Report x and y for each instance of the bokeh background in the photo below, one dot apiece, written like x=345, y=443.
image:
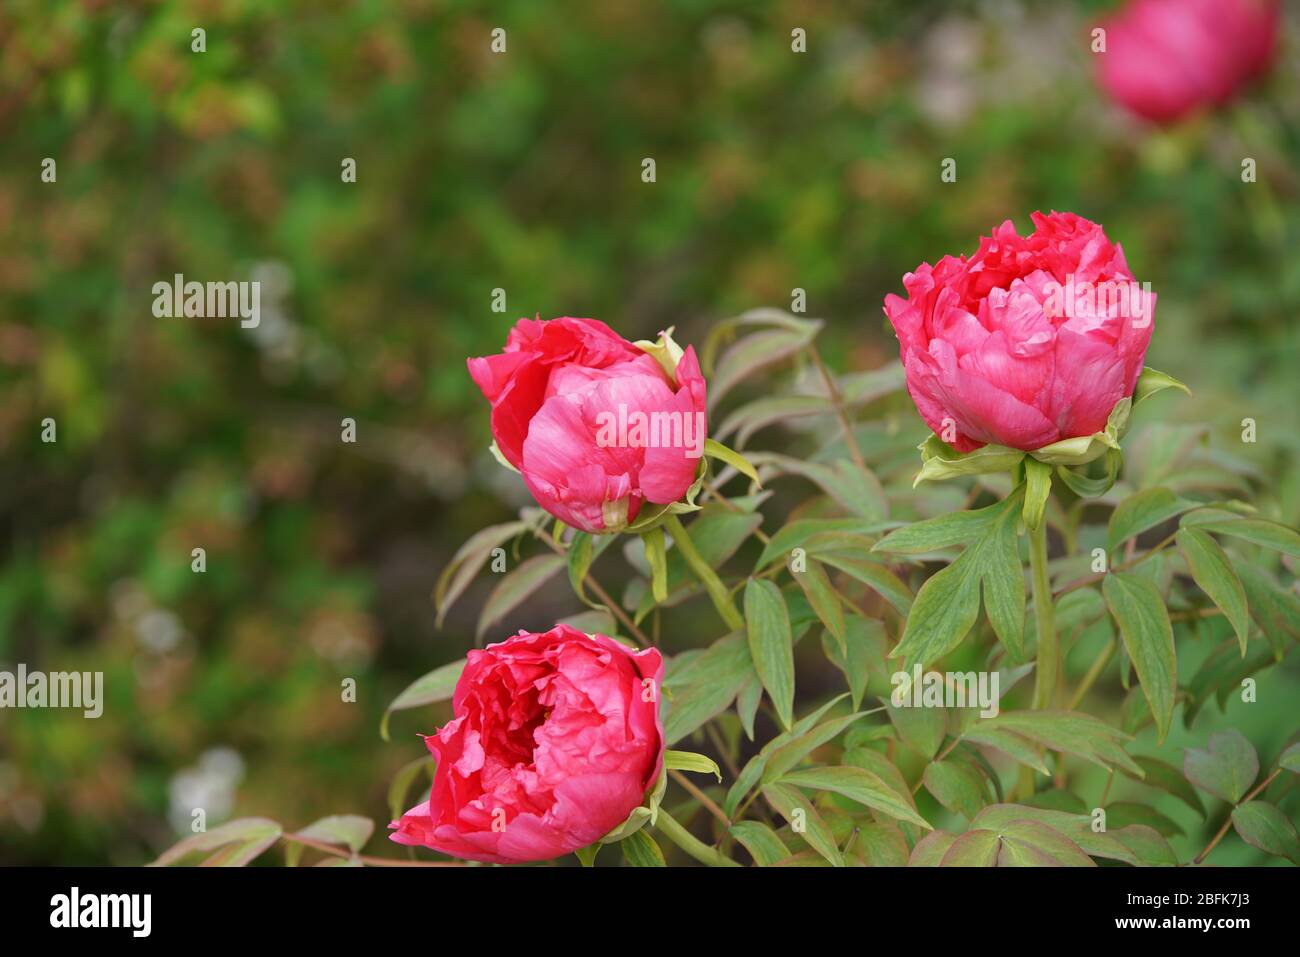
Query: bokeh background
x=478, y=171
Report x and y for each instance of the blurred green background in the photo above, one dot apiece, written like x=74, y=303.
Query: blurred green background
x=478, y=171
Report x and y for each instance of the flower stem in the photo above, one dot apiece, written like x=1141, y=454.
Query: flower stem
x=1094, y=671
x=604, y=598
x=1049, y=651
x=705, y=801
x=1228, y=823
x=707, y=576
x=689, y=843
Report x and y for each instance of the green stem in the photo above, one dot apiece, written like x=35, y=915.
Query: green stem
x=1099, y=663
x=689, y=843
x=707, y=576
x=1049, y=651
x=837, y=400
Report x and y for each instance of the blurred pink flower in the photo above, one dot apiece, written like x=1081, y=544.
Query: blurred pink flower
x=1032, y=340
x=596, y=424
x=556, y=739
x=1166, y=58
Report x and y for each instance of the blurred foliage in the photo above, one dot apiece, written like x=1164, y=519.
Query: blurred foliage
x=478, y=171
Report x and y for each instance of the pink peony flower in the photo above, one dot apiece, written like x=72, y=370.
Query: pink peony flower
x=597, y=425
x=556, y=740
x=1032, y=340
x=1166, y=58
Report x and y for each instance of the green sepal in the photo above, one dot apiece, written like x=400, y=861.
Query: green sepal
x=1038, y=485
x=642, y=815
x=664, y=351
x=1152, y=381
x=715, y=449
x=941, y=461
x=657, y=555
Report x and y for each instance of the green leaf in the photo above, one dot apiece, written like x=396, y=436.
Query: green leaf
x=755, y=352
x=705, y=573
x=467, y=561
x=515, y=587
x=717, y=450
x=1038, y=485
x=880, y=844
x=824, y=600
x=876, y=577
x=791, y=803
x=1144, y=510
x=587, y=855
x=1259, y=531
x=1276, y=610
x=763, y=844
x=769, y=410
x=856, y=491
x=1135, y=844
x=977, y=848
x=1069, y=732
x=656, y=554
x=1152, y=381
x=945, y=610
x=947, y=605
x=930, y=850
x=803, y=532
x=1226, y=768
x=702, y=684
x=1003, y=579
x=1290, y=759
x=864, y=639
x=748, y=699
x=753, y=770
x=1035, y=844
x=935, y=534
x=640, y=850
x=941, y=461
x=690, y=761
x=1169, y=779
x=438, y=685
x=1212, y=571
x=400, y=786
x=959, y=787
x=1265, y=827
x=858, y=784
x=771, y=644
x=1085, y=486
x=236, y=842
x=350, y=830
x=789, y=753
x=1148, y=637
x=593, y=621
x=921, y=729
x=579, y=558
x=717, y=532
x=1013, y=745
x=1124, y=813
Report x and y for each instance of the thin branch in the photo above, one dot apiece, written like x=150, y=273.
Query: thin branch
x=705, y=801
x=1228, y=823
x=837, y=400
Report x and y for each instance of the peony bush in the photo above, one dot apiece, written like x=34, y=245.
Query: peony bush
x=971, y=656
